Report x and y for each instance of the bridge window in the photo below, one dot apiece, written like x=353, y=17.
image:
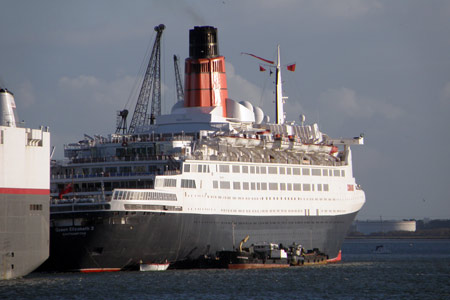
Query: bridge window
x=224, y=168
x=188, y=183
x=225, y=185
x=272, y=170
x=315, y=172
x=236, y=185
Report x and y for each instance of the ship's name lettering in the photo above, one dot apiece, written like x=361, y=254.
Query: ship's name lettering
x=75, y=229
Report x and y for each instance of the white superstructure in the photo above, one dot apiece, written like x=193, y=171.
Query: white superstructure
x=24, y=193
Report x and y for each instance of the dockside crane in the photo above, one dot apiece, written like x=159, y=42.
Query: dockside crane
x=179, y=85
x=122, y=122
x=151, y=87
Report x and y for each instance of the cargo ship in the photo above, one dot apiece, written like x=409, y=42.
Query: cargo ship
x=190, y=183
x=24, y=192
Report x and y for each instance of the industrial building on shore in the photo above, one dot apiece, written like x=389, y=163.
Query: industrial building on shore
x=383, y=226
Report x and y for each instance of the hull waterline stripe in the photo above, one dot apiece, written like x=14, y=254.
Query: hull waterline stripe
x=20, y=191
x=98, y=270
x=257, y=266
x=336, y=259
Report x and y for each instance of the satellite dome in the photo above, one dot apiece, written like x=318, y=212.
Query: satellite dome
x=259, y=114
x=247, y=105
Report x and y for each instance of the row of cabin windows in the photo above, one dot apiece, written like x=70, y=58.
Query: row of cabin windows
x=132, y=195
x=188, y=183
x=112, y=170
x=172, y=182
x=35, y=206
x=107, y=186
x=264, y=170
x=271, y=186
x=196, y=168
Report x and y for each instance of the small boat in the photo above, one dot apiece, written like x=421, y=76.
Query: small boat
x=380, y=249
x=154, y=267
x=300, y=257
x=260, y=256
x=250, y=260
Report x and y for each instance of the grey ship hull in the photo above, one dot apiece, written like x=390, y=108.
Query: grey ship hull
x=105, y=240
x=24, y=233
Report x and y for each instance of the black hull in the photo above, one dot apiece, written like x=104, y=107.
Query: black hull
x=106, y=240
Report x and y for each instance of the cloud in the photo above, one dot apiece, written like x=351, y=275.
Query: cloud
x=24, y=96
x=342, y=9
x=445, y=94
x=346, y=8
x=89, y=88
x=240, y=89
x=346, y=102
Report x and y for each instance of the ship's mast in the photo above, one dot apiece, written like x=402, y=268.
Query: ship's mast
x=279, y=99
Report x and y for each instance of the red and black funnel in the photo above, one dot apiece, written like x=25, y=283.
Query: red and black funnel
x=205, y=77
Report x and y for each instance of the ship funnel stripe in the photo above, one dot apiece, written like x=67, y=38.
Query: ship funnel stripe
x=20, y=191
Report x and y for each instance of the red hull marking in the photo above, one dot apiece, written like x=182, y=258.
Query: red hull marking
x=19, y=191
x=99, y=270
x=336, y=259
x=256, y=266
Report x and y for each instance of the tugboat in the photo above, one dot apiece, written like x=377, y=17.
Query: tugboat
x=260, y=256
x=268, y=256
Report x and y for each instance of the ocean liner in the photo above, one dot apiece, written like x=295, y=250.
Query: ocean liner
x=190, y=183
x=24, y=193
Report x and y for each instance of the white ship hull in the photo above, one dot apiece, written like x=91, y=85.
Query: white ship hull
x=24, y=199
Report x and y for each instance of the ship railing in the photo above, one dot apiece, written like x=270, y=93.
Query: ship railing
x=172, y=172
x=119, y=139
x=123, y=174
x=81, y=200
x=117, y=158
x=276, y=160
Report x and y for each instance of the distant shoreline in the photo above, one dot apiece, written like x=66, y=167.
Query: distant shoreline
x=405, y=237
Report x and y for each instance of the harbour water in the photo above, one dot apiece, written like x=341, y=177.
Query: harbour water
x=413, y=269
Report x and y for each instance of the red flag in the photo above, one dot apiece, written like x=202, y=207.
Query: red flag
x=264, y=60
x=291, y=68
x=66, y=190
x=261, y=69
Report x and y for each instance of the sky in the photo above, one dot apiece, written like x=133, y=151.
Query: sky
x=381, y=68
